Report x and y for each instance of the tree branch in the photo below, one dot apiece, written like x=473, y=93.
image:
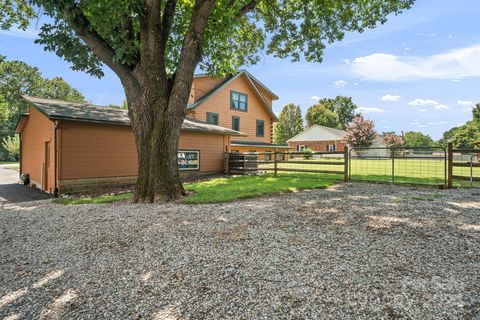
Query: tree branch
x=167, y=22
x=249, y=7
x=190, y=54
x=80, y=23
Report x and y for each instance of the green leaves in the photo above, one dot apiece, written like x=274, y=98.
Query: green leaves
x=15, y=14
x=17, y=79
x=334, y=113
x=289, y=125
x=238, y=33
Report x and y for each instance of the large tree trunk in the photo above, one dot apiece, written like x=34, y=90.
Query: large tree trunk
x=156, y=127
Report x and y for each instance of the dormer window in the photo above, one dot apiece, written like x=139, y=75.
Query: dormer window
x=238, y=101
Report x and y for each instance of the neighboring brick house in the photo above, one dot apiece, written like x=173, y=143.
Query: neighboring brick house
x=318, y=138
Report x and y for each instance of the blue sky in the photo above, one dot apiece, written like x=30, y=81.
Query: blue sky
x=419, y=71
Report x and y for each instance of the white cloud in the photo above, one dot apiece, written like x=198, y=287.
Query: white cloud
x=370, y=110
x=465, y=103
x=340, y=83
x=437, y=123
x=390, y=97
x=423, y=102
x=315, y=97
x=428, y=102
x=455, y=65
x=346, y=61
x=423, y=110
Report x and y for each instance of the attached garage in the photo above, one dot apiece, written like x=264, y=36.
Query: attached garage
x=68, y=147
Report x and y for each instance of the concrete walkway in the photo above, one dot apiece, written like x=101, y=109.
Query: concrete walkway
x=12, y=191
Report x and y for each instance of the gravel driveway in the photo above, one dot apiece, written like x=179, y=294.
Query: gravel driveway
x=353, y=251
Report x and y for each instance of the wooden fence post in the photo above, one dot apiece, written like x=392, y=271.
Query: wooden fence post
x=450, y=166
x=275, y=163
x=345, y=164
x=227, y=162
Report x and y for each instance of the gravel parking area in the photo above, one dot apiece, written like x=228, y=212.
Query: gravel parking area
x=353, y=251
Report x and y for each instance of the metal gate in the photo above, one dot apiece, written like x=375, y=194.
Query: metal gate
x=402, y=165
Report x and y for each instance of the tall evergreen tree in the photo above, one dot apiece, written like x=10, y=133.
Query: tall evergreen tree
x=290, y=123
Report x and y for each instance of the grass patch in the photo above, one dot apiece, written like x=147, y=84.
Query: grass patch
x=230, y=189
x=94, y=200
x=243, y=187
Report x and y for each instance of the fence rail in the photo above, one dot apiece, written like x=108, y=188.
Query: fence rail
x=315, y=162
x=406, y=165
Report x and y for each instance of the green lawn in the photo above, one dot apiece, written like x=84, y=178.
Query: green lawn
x=231, y=188
x=408, y=171
x=242, y=187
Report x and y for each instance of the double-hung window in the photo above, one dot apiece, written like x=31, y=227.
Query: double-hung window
x=238, y=101
x=331, y=148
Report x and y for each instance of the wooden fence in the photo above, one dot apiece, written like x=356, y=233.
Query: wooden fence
x=455, y=167
x=335, y=162
x=463, y=158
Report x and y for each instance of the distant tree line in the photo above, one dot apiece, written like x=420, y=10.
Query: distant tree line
x=17, y=79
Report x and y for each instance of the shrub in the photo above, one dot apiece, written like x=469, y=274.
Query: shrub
x=307, y=153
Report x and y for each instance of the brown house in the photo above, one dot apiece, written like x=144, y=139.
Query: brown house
x=68, y=147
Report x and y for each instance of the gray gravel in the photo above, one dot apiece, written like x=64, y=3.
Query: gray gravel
x=353, y=251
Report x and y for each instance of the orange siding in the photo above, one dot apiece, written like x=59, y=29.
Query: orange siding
x=203, y=85
x=90, y=150
x=212, y=149
x=220, y=103
x=99, y=150
x=36, y=132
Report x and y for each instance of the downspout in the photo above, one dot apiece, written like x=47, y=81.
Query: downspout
x=55, y=159
x=20, y=159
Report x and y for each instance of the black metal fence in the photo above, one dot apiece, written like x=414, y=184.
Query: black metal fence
x=408, y=165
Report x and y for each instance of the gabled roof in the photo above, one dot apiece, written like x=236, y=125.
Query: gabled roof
x=313, y=133
x=253, y=83
x=86, y=112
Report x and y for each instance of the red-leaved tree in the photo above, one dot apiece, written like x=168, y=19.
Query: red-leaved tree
x=360, y=133
x=392, y=140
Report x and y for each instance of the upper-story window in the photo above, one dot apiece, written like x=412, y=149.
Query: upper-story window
x=260, y=128
x=212, y=118
x=238, y=101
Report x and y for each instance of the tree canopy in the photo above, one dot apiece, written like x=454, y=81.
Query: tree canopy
x=360, y=133
x=17, y=79
x=392, y=140
x=290, y=123
x=335, y=113
x=465, y=135
x=237, y=32
x=418, y=139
